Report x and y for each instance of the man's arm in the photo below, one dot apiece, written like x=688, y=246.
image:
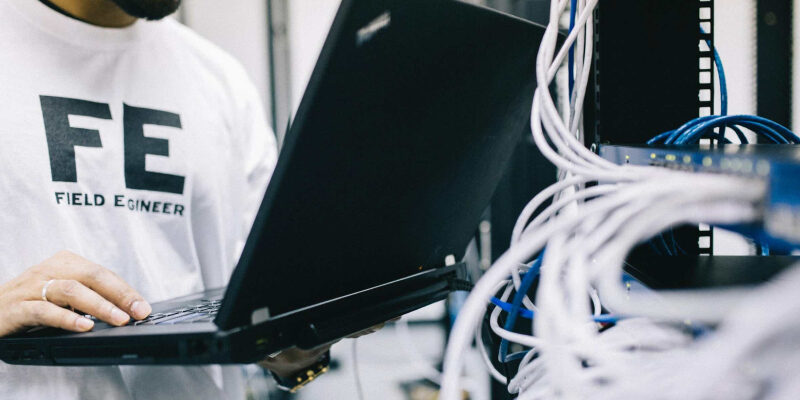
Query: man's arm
x=39, y=295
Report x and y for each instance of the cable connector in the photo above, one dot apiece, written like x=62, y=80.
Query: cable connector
x=460, y=285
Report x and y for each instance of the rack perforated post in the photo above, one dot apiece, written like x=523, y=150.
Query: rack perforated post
x=705, y=56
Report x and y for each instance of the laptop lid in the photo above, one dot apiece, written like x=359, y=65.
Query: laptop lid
x=405, y=128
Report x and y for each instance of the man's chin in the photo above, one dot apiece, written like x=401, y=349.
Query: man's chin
x=148, y=9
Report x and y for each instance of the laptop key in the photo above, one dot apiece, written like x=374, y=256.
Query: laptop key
x=167, y=318
x=203, y=311
x=181, y=319
x=154, y=317
x=201, y=317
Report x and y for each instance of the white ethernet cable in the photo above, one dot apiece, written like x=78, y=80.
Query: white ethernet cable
x=473, y=310
x=565, y=336
x=586, y=245
x=752, y=355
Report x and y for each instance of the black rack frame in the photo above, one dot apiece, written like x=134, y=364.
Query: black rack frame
x=651, y=54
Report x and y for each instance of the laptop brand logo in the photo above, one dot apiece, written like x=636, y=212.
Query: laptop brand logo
x=369, y=31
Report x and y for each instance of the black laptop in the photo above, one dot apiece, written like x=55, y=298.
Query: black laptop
x=405, y=129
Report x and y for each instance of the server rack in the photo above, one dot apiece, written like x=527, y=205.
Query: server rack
x=652, y=71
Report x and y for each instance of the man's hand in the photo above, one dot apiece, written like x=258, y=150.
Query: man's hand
x=372, y=329
x=289, y=361
x=76, y=283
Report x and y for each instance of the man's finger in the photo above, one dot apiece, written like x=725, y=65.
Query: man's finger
x=105, y=283
x=63, y=292
x=371, y=329
x=42, y=313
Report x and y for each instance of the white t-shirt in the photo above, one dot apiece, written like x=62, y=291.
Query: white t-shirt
x=143, y=149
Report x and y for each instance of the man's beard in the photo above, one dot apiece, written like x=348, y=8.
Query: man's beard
x=148, y=9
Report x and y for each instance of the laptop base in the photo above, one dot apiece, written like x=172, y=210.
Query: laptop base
x=204, y=343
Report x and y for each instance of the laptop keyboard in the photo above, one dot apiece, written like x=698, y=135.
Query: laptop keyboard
x=202, y=311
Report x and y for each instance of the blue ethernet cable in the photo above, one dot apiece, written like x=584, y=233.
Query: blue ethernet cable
x=571, y=61
x=517, y=356
x=675, y=136
x=529, y=314
x=762, y=126
x=723, y=89
x=723, y=84
x=675, y=245
x=668, y=135
x=703, y=126
x=666, y=246
x=653, y=247
x=516, y=307
x=739, y=134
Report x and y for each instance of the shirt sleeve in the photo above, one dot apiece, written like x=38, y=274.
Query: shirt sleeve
x=260, y=154
x=223, y=217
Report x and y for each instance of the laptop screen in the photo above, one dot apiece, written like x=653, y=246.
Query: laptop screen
x=405, y=129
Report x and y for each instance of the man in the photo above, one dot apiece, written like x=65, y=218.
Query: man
x=134, y=157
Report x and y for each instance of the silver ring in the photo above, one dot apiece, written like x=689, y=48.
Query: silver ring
x=44, y=289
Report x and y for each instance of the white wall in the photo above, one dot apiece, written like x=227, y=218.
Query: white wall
x=240, y=28
x=735, y=37
x=735, y=40
x=309, y=22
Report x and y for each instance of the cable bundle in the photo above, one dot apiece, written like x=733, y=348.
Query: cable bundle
x=715, y=126
x=704, y=127
x=576, y=247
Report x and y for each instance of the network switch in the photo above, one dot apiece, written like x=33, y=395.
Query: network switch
x=777, y=165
